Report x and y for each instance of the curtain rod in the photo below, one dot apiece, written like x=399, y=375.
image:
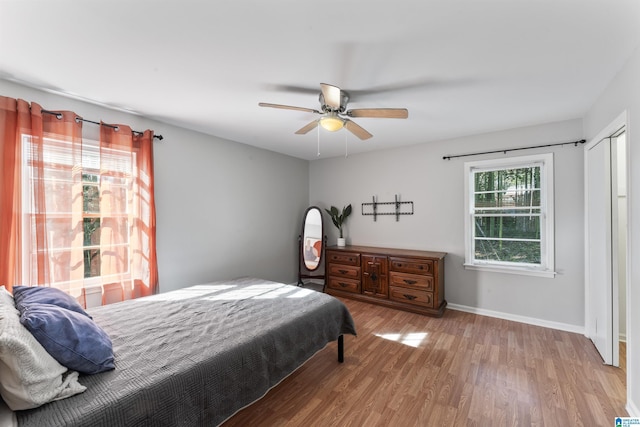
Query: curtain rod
x=575, y=144
x=59, y=116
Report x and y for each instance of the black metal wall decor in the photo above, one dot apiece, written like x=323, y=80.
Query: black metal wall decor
x=396, y=208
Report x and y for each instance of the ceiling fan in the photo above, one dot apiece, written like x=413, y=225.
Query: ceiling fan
x=334, y=113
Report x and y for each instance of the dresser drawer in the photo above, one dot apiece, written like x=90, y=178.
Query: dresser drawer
x=343, y=258
x=344, y=285
x=411, y=296
x=408, y=265
x=347, y=271
x=414, y=281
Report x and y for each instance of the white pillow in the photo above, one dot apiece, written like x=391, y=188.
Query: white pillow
x=29, y=376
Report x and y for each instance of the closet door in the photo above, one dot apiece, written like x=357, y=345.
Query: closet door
x=598, y=271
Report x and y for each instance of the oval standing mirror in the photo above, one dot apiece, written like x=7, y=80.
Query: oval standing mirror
x=312, y=233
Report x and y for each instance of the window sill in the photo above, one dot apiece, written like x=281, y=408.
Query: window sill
x=511, y=270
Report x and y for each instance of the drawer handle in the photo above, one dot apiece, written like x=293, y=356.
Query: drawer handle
x=409, y=297
x=344, y=285
x=410, y=282
x=343, y=271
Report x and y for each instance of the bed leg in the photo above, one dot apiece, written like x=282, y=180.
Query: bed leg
x=341, y=348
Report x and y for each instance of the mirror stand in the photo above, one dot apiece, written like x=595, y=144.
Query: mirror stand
x=302, y=266
x=311, y=244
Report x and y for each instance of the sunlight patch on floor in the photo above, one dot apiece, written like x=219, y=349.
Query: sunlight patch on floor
x=413, y=339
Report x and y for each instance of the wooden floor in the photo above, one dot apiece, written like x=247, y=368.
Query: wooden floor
x=406, y=369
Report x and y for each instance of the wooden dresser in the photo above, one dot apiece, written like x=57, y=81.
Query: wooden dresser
x=409, y=280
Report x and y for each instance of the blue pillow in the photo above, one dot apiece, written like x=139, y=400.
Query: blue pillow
x=73, y=339
x=24, y=296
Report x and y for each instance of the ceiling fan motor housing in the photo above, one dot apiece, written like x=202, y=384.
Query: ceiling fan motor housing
x=344, y=99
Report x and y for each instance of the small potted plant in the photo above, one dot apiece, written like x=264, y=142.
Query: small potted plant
x=338, y=219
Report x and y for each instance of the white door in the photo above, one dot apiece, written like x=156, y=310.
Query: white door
x=599, y=249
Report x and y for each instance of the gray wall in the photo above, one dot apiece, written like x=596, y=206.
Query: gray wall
x=224, y=209
x=623, y=94
x=436, y=186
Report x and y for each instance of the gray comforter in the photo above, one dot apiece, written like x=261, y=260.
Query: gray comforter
x=196, y=356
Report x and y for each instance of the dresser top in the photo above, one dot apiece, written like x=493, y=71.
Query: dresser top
x=388, y=251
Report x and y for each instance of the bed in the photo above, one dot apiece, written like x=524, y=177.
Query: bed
x=198, y=355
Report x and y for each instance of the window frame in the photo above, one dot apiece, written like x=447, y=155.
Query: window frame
x=546, y=268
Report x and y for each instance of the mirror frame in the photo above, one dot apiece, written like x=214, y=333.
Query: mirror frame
x=304, y=237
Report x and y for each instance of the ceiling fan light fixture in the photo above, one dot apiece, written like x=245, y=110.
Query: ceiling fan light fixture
x=332, y=123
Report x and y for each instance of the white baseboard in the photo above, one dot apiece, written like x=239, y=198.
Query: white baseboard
x=632, y=410
x=522, y=319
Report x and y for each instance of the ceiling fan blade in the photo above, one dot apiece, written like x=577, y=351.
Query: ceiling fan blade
x=356, y=129
x=288, y=107
x=332, y=95
x=307, y=128
x=292, y=89
x=388, y=113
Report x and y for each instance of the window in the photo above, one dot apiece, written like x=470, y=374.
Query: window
x=78, y=205
x=106, y=180
x=509, y=215
x=86, y=192
x=91, y=223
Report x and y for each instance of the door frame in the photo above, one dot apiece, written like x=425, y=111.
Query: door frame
x=618, y=123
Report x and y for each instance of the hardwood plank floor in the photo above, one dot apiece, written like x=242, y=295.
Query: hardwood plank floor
x=406, y=369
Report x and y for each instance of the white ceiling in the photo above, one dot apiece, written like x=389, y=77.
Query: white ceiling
x=460, y=67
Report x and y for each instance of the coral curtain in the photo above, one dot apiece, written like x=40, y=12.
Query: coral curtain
x=127, y=213
x=31, y=139
x=45, y=214
x=10, y=158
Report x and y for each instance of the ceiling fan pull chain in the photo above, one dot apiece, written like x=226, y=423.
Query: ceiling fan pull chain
x=318, y=127
x=346, y=146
